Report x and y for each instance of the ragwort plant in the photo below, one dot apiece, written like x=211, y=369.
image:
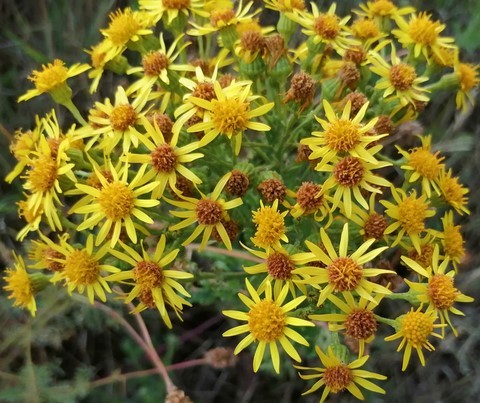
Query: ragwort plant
x=271, y=143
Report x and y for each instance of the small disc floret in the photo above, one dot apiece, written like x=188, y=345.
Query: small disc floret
x=266, y=321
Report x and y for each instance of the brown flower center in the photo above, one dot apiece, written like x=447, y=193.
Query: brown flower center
x=209, y=212
x=326, y=26
x=344, y=274
x=154, y=63
x=375, y=225
x=272, y=189
x=307, y=196
x=402, y=76
x=280, y=266
x=338, y=378
x=148, y=275
x=237, y=184
x=441, y=291
x=176, y=4
x=122, y=117
x=360, y=324
x=164, y=158
x=349, y=171
x=51, y=256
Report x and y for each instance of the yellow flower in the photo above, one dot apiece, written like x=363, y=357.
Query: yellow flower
x=342, y=135
x=423, y=34
x=409, y=213
x=268, y=324
x=452, y=240
x=202, y=87
x=165, y=159
x=22, y=146
x=223, y=17
x=467, y=73
x=280, y=267
x=116, y=123
x=156, y=65
x=82, y=270
x=453, y=192
x=425, y=165
x=382, y=9
x=173, y=9
x=32, y=216
x=154, y=285
x=47, y=167
x=125, y=27
x=270, y=226
x=311, y=199
x=117, y=203
x=351, y=175
x=44, y=253
x=372, y=224
x=209, y=212
x=367, y=31
x=439, y=292
x=398, y=80
x=427, y=246
x=20, y=286
x=229, y=114
x=414, y=328
x=324, y=28
x=53, y=79
x=344, y=272
x=97, y=54
x=357, y=318
x=337, y=376
x=284, y=6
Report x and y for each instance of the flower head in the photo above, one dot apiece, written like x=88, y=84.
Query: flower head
x=157, y=65
x=357, y=318
x=280, y=267
x=337, y=376
x=398, y=80
x=53, y=79
x=341, y=135
x=125, y=27
x=268, y=324
x=111, y=124
x=414, y=328
x=344, y=272
x=467, y=74
x=382, y=9
x=324, y=28
x=208, y=212
x=270, y=226
x=452, y=240
x=82, y=268
x=229, y=113
x=117, y=203
x=453, y=192
x=154, y=284
x=425, y=165
x=20, y=286
x=165, y=159
x=172, y=9
x=350, y=176
x=423, y=34
x=409, y=214
x=439, y=291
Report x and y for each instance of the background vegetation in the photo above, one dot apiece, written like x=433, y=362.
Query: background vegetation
x=67, y=351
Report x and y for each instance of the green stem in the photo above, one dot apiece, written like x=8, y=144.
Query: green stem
x=389, y=322
x=74, y=111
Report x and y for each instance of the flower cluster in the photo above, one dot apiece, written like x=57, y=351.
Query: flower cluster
x=273, y=143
